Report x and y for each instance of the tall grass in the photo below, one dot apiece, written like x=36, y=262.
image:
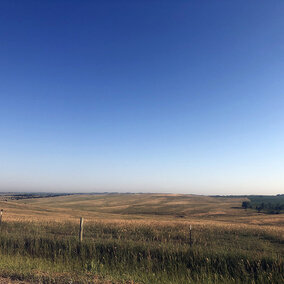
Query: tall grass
x=150, y=253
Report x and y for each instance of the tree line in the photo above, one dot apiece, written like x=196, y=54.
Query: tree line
x=266, y=207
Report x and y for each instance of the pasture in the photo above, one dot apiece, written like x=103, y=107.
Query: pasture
x=139, y=238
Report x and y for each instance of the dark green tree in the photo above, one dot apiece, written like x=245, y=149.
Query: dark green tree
x=245, y=204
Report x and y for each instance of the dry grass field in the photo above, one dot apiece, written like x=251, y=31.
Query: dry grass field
x=139, y=238
x=144, y=207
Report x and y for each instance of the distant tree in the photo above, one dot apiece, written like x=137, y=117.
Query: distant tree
x=246, y=204
x=260, y=207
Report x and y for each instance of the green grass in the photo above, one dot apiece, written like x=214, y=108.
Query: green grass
x=141, y=252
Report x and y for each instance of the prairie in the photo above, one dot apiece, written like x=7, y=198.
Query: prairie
x=139, y=238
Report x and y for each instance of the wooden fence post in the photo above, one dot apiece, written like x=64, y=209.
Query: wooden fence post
x=81, y=229
x=1, y=214
x=190, y=236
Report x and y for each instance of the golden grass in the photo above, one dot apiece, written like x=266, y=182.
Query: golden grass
x=140, y=208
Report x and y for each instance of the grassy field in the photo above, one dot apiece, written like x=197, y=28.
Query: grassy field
x=139, y=238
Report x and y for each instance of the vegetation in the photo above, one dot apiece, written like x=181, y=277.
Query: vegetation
x=141, y=249
x=267, y=204
x=148, y=253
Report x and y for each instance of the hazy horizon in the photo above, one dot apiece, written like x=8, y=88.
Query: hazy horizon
x=139, y=96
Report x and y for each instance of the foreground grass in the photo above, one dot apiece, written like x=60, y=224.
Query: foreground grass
x=141, y=252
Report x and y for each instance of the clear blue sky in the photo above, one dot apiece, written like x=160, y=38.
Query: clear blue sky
x=160, y=96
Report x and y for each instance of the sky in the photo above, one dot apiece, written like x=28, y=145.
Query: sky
x=142, y=96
